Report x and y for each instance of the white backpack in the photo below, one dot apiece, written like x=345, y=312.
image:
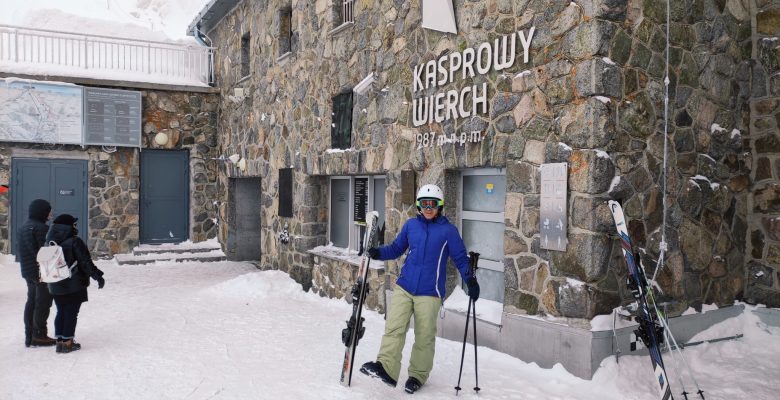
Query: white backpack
x=53, y=266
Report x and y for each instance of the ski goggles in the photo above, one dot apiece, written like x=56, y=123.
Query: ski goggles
x=429, y=203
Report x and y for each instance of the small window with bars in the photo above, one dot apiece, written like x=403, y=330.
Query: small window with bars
x=347, y=11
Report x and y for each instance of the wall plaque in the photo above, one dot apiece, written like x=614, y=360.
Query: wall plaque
x=553, y=218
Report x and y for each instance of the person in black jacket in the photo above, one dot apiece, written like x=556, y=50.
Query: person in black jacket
x=70, y=293
x=30, y=238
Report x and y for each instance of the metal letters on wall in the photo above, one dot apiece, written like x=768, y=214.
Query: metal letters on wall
x=553, y=217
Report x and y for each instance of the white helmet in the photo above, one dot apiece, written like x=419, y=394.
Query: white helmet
x=430, y=192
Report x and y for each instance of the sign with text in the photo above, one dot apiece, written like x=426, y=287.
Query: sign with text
x=361, y=199
x=553, y=218
x=113, y=117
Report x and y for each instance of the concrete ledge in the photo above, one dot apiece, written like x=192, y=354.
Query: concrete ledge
x=113, y=83
x=579, y=350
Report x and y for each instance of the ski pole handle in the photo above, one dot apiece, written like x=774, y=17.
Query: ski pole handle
x=473, y=260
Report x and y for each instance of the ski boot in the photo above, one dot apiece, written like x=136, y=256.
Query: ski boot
x=375, y=369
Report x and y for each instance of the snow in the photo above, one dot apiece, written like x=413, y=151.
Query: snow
x=226, y=330
x=158, y=20
x=523, y=73
x=487, y=310
x=716, y=128
x=603, y=99
x=735, y=133
x=615, y=182
x=608, y=60
x=564, y=146
x=602, y=154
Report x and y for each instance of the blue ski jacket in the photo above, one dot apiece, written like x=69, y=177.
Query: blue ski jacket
x=430, y=244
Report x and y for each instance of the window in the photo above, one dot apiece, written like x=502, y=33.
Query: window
x=347, y=11
x=245, y=53
x=285, y=31
x=482, y=200
x=350, y=199
x=341, y=127
x=285, y=192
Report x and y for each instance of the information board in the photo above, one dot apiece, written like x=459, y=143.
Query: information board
x=37, y=112
x=361, y=199
x=113, y=117
x=553, y=219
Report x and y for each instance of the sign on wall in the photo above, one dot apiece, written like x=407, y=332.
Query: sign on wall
x=37, y=112
x=113, y=117
x=361, y=200
x=553, y=219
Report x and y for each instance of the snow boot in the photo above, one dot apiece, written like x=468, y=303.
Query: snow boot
x=412, y=385
x=68, y=346
x=44, y=341
x=375, y=369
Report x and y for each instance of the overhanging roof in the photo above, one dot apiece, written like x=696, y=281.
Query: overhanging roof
x=211, y=14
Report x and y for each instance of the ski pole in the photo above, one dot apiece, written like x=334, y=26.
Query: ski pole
x=474, y=260
x=463, y=350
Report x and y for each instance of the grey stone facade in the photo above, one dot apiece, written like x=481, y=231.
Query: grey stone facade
x=189, y=120
x=592, y=95
x=763, y=268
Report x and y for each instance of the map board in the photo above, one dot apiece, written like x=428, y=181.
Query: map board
x=113, y=117
x=38, y=112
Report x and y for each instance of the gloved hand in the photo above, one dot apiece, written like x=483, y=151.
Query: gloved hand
x=473, y=288
x=101, y=282
x=373, y=253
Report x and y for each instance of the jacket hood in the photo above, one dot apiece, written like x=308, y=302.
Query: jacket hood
x=39, y=210
x=59, y=233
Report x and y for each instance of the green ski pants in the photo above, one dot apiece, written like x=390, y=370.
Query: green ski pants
x=425, y=310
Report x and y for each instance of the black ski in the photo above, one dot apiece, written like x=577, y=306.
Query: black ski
x=650, y=329
x=354, y=330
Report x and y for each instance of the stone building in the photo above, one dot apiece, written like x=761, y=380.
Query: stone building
x=112, y=224
x=339, y=106
x=120, y=133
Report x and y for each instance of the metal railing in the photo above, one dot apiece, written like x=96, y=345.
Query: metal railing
x=347, y=11
x=67, y=52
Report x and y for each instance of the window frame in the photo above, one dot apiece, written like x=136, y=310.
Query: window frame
x=335, y=122
x=493, y=217
x=246, y=56
x=285, y=35
x=354, y=233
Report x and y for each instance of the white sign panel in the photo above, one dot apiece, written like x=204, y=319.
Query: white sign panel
x=40, y=112
x=439, y=16
x=553, y=218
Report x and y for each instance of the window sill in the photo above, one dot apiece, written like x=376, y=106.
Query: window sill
x=283, y=58
x=344, y=255
x=341, y=28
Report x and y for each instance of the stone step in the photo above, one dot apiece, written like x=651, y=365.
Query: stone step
x=186, y=247
x=131, y=259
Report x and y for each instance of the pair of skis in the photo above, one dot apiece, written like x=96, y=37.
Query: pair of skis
x=352, y=334
x=652, y=324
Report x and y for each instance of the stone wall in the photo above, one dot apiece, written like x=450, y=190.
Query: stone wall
x=763, y=269
x=591, y=95
x=113, y=201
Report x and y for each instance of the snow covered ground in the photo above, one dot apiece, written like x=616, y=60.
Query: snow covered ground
x=225, y=330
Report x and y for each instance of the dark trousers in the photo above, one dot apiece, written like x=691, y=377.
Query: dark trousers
x=36, y=309
x=67, y=316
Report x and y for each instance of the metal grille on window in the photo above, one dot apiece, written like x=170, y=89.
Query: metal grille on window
x=347, y=11
x=285, y=31
x=245, y=53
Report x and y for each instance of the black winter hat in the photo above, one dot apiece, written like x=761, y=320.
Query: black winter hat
x=65, y=219
x=39, y=209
